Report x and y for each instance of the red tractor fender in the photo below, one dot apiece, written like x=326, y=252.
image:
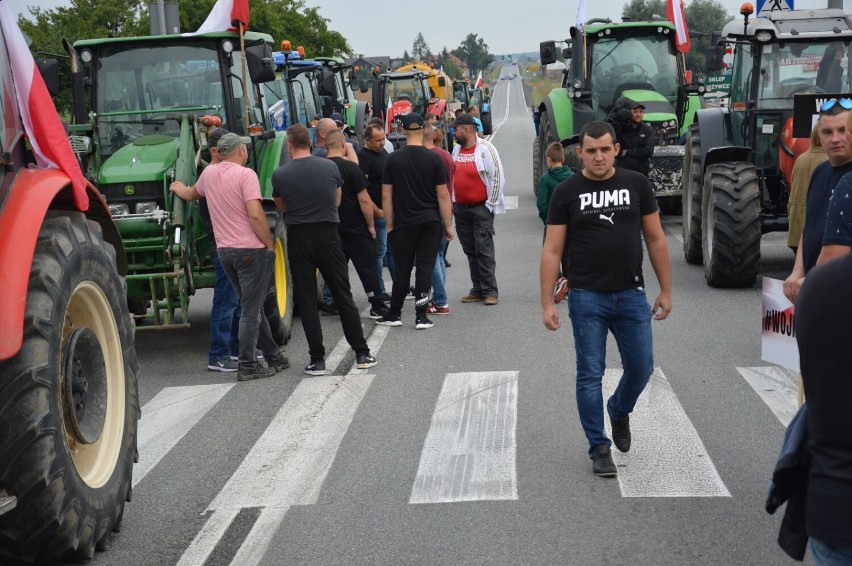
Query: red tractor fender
x=438, y=107
x=789, y=150
x=30, y=197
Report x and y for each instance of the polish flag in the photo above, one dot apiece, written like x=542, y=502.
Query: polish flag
x=581, y=14
x=44, y=130
x=675, y=14
x=478, y=83
x=225, y=16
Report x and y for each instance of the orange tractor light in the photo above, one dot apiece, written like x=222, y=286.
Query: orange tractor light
x=747, y=9
x=301, y=50
x=286, y=45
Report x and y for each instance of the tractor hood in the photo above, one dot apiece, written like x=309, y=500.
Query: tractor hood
x=146, y=159
x=657, y=107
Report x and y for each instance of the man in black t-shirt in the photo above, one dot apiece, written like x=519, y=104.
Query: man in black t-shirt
x=600, y=216
x=308, y=190
x=415, y=200
x=357, y=230
x=371, y=159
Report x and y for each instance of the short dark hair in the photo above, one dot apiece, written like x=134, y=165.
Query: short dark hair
x=555, y=152
x=371, y=129
x=334, y=138
x=377, y=121
x=596, y=129
x=299, y=136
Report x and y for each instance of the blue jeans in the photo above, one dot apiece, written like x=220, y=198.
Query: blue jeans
x=829, y=554
x=439, y=275
x=627, y=315
x=383, y=251
x=224, y=317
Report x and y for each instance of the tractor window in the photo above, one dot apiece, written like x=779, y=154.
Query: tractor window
x=634, y=62
x=10, y=121
x=304, y=90
x=812, y=67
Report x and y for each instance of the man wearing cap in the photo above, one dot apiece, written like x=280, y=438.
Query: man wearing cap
x=308, y=189
x=636, y=139
x=415, y=201
x=478, y=195
x=245, y=247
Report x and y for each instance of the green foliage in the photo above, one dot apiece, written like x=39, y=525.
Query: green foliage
x=644, y=10
x=420, y=48
x=474, y=51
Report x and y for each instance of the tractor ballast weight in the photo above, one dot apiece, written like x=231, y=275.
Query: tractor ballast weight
x=737, y=160
x=604, y=62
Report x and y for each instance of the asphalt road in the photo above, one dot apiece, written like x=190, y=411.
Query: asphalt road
x=463, y=445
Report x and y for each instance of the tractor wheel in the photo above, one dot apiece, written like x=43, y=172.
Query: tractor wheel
x=691, y=197
x=731, y=226
x=546, y=137
x=278, y=306
x=360, y=121
x=69, y=403
x=536, y=165
x=486, y=123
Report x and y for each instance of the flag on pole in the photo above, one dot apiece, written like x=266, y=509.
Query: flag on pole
x=581, y=14
x=41, y=122
x=226, y=15
x=675, y=14
x=478, y=83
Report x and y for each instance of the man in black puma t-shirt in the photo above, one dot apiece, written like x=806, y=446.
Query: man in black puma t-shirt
x=600, y=216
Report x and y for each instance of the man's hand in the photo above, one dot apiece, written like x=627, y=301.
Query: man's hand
x=792, y=286
x=372, y=231
x=662, y=306
x=449, y=233
x=550, y=317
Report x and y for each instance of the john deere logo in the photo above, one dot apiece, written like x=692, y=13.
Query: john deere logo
x=129, y=190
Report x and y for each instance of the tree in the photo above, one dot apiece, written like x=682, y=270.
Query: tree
x=644, y=10
x=405, y=56
x=474, y=51
x=704, y=17
x=420, y=47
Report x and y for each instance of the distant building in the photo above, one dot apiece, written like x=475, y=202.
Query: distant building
x=382, y=62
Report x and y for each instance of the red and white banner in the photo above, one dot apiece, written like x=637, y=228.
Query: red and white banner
x=581, y=14
x=478, y=83
x=225, y=16
x=675, y=14
x=44, y=130
x=778, y=326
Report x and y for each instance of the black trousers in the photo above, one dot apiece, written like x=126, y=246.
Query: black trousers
x=312, y=247
x=361, y=250
x=414, y=247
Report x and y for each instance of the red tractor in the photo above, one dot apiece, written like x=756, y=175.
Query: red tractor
x=68, y=393
x=399, y=93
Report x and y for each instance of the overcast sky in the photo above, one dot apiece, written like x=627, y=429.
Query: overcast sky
x=378, y=27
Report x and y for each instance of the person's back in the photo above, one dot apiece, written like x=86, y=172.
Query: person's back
x=413, y=170
x=314, y=198
x=823, y=308
x=557, y=172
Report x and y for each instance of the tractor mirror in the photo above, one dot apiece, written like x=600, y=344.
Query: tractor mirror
x=364, y=85
x=260, y=66
x=713, y=58
x=442, y=81
x=49, y=69
x=567, y=52
x=547, y=52
x=353, y=76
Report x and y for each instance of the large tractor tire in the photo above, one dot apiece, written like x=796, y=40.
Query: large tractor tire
x=486, y=123
x=536, y=165
x=360, y=121
x=69, y=403
x=278, y=306
x=691, y=199
x=731, y=227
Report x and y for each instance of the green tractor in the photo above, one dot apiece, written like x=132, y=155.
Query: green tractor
x=468, y=96
x=142, y=109
x=604, y=62
x=339, y=96
x=738, y=159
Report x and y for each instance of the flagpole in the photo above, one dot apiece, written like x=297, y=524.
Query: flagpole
x=245, y=75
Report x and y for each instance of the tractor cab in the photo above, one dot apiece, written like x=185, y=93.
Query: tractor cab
x=398, y=94
x=296, y=90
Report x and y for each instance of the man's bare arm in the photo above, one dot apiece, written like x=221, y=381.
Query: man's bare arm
x=445, y=205
x=551, y=257
x=387, y=204
x=658, y=253
x=832, y=251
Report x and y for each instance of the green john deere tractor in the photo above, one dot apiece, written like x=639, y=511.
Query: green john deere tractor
x=339, y=96
x=604, y=62
x=142, y=109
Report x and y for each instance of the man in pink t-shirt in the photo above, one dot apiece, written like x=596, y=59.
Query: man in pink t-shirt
x=245, y=247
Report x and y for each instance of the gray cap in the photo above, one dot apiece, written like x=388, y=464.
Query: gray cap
x=229, y=142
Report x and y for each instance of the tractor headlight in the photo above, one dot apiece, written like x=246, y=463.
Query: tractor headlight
x=227, y=46
x=146, y=207
x=763, y=36
x=578, y=84
x=86, y=56
x=119, y=209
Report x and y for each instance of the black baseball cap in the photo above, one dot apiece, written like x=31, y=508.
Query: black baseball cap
x=464, y=120
x=215, y=136
x=635, y=104
x=412, y=121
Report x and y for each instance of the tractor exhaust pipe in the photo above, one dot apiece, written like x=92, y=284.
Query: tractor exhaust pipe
x=78, y=107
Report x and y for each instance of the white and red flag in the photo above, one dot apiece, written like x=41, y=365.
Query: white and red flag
x=675, y=14
x=581, y=14
x=44, y=130
x=478, y=83
x=226, y=15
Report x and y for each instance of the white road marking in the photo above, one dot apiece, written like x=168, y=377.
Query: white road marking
x=257, y=542
x=168, y=417
x=207, y=538
x=469, y=452
x=667, y=458
x=374, y=341
x=511, y=202
x=778, y=387
x=505, y=117
x=288, y=463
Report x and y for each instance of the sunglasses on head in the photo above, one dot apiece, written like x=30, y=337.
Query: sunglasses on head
x=844, y=103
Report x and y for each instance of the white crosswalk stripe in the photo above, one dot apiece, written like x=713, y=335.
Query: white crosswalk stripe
x=778, y=387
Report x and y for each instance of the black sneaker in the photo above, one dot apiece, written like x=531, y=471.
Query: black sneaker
x=364, y=361
x=620, y=431
x=410, y=294
x=278, y=362
x=390, y=320
x=423, y=322
x=315, y=368
x=385, y=297
x=258, y=372
x=602, y=464
x=378, y=310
